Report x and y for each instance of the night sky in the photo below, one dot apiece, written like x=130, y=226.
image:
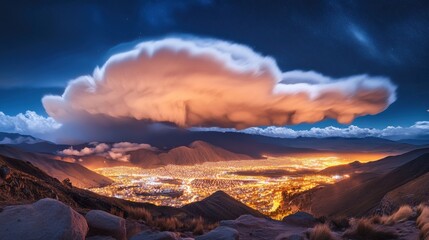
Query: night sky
x=46, y=44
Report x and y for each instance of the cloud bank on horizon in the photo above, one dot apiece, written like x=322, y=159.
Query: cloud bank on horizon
x=419, y=129
x=212, y=83
x=47, y=128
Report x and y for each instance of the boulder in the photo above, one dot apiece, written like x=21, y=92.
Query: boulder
x=44, y=219
x=149, y=235
x=289, y=237
x=100, y=238
x=301, y=219
x=106, y=224
x=133, y=227
x=262, y=228
x=220, y=233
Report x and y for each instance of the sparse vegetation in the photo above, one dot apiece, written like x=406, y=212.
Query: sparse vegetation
x=423, y=221
x=168, y=223
x=364, y=229
x=423, y=217
x=195, y=225
x=139, y=213
x=321, y=232
x=402, y=214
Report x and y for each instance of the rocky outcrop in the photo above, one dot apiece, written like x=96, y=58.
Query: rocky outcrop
x=45, y=219
x=262, y=228
x=103, y=223
x=302, y=219
x=5, y=172
x=100, y=238
x=220, y=233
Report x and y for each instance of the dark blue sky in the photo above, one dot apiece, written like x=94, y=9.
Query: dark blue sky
x=44, y=45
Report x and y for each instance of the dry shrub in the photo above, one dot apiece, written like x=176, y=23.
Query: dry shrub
x=404, y=213
x=424, y=231
x=197, y=225
x=168, y=224
x=339, y=223
x=423, y=221
x=139, y=213
x=420, y=207
x=376, y=219
x=321, y=232
x=423, y=217
x=363, y=229
x=116, y=211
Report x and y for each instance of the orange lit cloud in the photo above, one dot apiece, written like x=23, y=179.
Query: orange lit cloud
x=201, y=82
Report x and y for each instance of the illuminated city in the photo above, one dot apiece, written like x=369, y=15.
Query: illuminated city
x=258, y=183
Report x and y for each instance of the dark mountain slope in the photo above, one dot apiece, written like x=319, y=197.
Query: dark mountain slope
x=380, y=166
x=412, y=193
x=349, y=199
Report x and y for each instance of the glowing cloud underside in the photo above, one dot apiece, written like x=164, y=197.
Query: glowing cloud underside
x=200, y=82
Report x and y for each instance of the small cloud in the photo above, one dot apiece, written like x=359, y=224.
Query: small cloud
x=118, y=151
x=28, y=123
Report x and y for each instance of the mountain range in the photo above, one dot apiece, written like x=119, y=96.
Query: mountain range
x=377, y=187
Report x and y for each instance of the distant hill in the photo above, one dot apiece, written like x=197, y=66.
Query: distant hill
x=255, y=146
x=196, y=153
x=15, y=138
x=79, y=175
x=220, y=206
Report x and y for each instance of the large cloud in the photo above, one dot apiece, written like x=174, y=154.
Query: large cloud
x=202, y=82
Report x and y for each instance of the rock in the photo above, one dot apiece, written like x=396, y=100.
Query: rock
x=149, y=235
x=106, y=224
x=67, y=182
x=133, y=227
x=220, y=233
x=289, y=237
x=262, y=228
x=45, y=219
x=5, y=172
x=100, y=238
x=302, y=219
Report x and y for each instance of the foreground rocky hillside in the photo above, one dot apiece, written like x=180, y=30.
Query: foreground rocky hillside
x=52, y=219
